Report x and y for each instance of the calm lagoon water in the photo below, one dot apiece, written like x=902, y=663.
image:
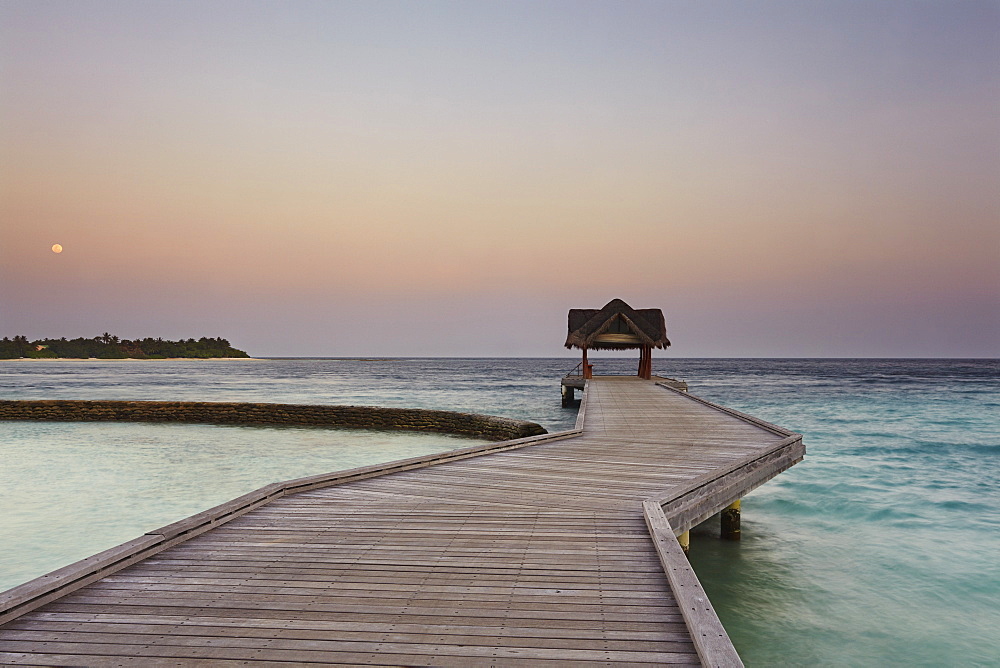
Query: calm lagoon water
x=880, y=549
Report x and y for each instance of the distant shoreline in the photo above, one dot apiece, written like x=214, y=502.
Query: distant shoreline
x=128, y=359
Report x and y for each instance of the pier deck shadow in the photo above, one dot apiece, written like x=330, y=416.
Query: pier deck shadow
x=541, y=551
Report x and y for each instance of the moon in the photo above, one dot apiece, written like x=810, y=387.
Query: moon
x=56, y=248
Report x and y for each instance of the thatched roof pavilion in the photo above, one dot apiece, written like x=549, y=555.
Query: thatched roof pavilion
x=618, y=326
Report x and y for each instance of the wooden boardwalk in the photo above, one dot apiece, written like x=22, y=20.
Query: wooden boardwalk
x=538, y=552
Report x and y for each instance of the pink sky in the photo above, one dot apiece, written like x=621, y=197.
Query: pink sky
x=449, y=179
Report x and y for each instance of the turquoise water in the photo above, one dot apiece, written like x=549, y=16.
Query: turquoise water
x=880, y=549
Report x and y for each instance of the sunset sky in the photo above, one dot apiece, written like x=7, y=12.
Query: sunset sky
x=783, y=179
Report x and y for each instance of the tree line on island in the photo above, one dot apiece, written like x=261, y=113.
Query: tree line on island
x=109, y=346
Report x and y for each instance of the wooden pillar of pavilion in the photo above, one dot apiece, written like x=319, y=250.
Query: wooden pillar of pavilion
x=587, y=371
x=645, y=362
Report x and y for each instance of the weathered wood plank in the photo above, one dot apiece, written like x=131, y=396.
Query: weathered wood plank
x=139, y=632
x=268, y=658
x=676, y=632
x=313, y=650
x=492, y=617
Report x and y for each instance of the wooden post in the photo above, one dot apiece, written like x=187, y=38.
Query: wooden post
x=646, y=362
x=567, y=396
x=587, y=371
x=731, y=521
x=685, y=540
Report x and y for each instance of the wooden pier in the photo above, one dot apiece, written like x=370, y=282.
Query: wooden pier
x=574, y=381
x=540, y=551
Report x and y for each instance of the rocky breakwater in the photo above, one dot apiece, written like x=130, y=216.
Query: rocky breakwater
x=354, y=417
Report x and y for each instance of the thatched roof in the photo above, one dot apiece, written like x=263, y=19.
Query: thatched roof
x=617, y=326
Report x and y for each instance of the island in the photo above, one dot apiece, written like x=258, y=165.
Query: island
x=109, y=346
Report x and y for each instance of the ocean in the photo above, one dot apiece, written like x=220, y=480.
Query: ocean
x=880, y=549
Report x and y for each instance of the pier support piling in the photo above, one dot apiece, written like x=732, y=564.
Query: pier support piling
x=685, y=540
x=567, y=396
x=731, y=521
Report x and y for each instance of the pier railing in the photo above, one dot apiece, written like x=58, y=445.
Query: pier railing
x=709, y=636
